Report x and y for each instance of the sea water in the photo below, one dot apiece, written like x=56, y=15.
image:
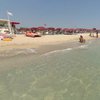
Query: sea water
x=66, y=74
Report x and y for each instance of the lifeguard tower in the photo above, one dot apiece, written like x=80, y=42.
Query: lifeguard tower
x=7, y=26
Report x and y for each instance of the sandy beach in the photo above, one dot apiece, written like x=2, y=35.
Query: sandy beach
x=23, y=42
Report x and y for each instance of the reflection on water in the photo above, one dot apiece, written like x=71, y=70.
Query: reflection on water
x=65, y=75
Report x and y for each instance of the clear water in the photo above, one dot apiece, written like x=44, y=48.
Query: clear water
x=69, y=74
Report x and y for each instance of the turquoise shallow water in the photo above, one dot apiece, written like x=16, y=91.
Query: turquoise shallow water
x=68, y=74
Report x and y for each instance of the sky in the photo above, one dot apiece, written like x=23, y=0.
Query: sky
x=53, y=13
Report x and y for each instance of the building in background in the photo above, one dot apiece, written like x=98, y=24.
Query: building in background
x=8, y=27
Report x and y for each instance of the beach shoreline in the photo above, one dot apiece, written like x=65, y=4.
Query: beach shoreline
x=23, y=50
x=20, y=54
x=42, y=44
x=21, y=41
x=22, y=45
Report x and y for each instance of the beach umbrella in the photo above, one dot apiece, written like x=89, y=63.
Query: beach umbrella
x=14, y=22
x=41, y=28
x=66, y=29
x=94, y=29
x=71, y=29
x=51, y=28
x=58, y=29
x=33, y=28
x=78, y=29
x=88, y=30
x=26, y=29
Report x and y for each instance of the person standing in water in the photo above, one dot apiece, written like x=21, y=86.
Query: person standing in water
x=81, y=39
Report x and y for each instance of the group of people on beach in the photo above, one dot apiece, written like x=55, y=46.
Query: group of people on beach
x=92, y=34
x=82, y=40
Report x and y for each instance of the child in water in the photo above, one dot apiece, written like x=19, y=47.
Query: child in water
x=81, y=39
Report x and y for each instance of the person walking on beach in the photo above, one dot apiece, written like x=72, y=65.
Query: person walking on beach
x=96, y=34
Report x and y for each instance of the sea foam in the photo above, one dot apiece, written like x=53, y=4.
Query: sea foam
x=57, y=51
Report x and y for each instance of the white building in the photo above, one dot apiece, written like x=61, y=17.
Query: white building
x=7, y=26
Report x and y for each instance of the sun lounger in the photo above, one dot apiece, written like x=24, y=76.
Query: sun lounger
x=31, y=34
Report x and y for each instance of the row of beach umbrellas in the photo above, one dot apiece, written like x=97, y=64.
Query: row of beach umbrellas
x=58, y=29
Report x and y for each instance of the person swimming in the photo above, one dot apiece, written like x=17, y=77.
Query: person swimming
x=81, y=39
